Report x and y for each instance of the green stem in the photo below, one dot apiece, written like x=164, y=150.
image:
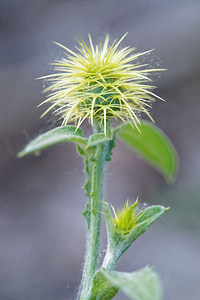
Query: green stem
x=92, y=255
x=111, y=259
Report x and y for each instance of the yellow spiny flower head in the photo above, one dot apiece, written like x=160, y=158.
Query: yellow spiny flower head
x=126, y=218
x=99, y=83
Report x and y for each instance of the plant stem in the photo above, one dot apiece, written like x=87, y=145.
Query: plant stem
x=92, y=254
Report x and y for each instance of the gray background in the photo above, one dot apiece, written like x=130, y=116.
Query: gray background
x=42, y=232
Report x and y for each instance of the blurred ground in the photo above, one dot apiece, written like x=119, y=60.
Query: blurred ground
x=42, y=232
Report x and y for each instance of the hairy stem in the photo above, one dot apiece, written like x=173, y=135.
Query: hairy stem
x=92, y=254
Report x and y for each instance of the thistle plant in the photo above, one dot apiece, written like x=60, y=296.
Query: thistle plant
x=106, y=85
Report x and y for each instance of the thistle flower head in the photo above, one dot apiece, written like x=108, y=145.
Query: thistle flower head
x=126, y=218
x=99, y=83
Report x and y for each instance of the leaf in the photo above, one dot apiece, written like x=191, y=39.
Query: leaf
x=147, y=218
x=118, y=242
x=102, y=288
x=140, y=285
x=52, y=137
x=153, y=146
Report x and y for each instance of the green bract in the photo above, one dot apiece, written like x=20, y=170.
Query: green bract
x=126, y=218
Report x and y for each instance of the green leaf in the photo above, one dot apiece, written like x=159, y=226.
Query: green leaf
x=118, y=242
x=52, y=137
x=102, y=288
x=153, y=146
x=140, y=285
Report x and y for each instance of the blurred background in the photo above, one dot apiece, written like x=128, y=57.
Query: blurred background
x=42, y=231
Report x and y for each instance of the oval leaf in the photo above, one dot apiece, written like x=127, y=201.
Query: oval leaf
x=52, y=137
x=140, y=285
x=153, y=146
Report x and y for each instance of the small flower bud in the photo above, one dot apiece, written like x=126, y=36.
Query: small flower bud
x=126, y=218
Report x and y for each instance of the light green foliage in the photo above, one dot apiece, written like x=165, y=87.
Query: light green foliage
x=140, y=285
x=102, y=287
x=145, y=282
x=153, y=146
x=119, y=241
x=123, y=226
x=52, y=137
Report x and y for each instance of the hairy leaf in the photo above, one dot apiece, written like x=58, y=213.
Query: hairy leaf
x=140, y=285
x=118, y=242
x=102, y=288
x=52, y=137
